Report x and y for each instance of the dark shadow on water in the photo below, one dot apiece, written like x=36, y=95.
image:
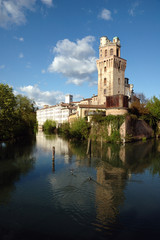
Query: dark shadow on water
x=15, y=160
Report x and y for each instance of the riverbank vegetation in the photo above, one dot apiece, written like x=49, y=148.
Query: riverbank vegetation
x=149, y=111
x=79, y=129
x=17, y=115
x=108, y=128
x=49, y=126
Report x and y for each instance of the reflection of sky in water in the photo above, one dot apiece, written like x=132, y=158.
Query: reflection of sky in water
x=114, y=194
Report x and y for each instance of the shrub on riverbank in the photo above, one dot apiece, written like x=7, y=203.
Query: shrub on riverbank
x=79, y=129
x=49, y=126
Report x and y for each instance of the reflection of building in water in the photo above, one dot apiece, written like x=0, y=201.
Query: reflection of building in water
x=121, y=153
x=158, y=148
x=109, y=192
x=47, y=143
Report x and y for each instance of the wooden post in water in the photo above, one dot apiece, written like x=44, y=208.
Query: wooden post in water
x=89, y=146
x=53, y=158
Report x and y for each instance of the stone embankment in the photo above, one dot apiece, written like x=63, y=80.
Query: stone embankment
x=121, y=130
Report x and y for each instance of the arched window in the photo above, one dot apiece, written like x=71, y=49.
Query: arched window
x=105, y=69
x=106, y=53
x=111, y=51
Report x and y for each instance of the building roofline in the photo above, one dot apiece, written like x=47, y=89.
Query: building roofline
x=92, y=106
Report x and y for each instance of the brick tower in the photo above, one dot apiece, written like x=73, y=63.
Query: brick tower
x=111, y=69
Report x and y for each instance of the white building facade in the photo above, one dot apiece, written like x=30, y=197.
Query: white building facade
x=58, y=113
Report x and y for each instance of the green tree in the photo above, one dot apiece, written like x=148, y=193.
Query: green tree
x=80, y=129
x=7, y=112
x=49, y=126
x=17, y=114
x=25, y=112
x=153, y=106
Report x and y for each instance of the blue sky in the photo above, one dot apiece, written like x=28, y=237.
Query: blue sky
x=48, y=48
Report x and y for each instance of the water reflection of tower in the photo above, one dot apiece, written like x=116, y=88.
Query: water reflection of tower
x=109, y=191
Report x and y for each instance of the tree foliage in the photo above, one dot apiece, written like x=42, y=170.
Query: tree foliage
x=17, y=114
x=49, y=126
x=80, y=129
x=153, y=106
x=147, y=110
x=138, y=108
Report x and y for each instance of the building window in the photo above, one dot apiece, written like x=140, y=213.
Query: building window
x=111, y=51
x=119, y=65
x=105, y=69
x=117, y=52
x=119, y=81
x=106, y=53
x=104, y=91
x=104, y=81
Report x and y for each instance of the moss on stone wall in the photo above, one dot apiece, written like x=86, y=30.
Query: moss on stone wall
x=106, y=128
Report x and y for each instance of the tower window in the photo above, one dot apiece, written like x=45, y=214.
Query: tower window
x=106, y=53
x=111, y=51
x=105, y=69
x=119, y=81
x=117, y=52
x=104, y=91
x=104, y=81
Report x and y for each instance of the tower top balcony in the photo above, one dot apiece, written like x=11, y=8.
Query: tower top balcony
x=104, y=41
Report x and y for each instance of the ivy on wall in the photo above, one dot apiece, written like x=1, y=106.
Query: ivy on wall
x=106, y=128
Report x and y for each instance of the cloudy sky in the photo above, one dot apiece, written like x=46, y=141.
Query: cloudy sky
x=48, y=48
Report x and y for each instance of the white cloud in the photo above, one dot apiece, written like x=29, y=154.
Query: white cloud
x=133, y=9
x=47, y=2
x=2, y=66
x=106, y=14
x=42, y=98
x=21, y=39
x=43, y=71
x=21, y=55
x=14, y=11
x=76, y=61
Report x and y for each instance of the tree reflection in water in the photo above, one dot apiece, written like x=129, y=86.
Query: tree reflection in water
x=15, y=160
x=74, y=192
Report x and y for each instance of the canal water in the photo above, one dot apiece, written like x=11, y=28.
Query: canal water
x=112, y=193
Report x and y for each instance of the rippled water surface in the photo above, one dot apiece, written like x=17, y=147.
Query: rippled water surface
x=113, y=193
